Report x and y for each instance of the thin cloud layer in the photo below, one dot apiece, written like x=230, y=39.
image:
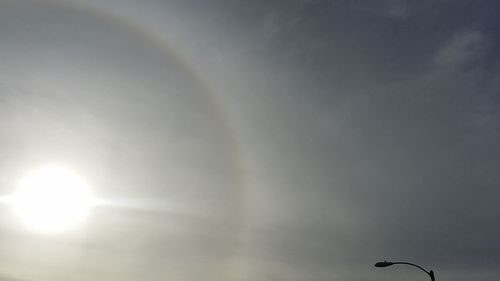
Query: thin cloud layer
x=305, y=140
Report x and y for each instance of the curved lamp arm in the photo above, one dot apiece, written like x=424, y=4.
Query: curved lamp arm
x=386, y=263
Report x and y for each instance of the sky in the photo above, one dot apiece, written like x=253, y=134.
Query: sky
x=256, y=140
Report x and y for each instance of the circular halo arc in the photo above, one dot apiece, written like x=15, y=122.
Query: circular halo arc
x=136, y=28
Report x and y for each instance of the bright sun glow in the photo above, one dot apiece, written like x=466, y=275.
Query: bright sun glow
x=52, y=199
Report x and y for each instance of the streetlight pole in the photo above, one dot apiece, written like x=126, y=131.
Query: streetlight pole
x=387, y=263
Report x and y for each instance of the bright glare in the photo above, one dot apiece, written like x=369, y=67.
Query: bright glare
x=52, y=199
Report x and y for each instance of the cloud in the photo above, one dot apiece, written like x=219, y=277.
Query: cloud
x=351, y=152
x=464, y=49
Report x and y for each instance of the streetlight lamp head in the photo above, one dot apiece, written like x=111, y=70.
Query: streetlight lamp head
x=383, y=264
x=388, y=263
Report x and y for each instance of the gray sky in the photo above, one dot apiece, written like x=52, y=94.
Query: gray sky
x=257, y=140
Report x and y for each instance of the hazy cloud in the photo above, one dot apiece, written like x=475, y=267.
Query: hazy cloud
x=464, y=49
x=262, y=139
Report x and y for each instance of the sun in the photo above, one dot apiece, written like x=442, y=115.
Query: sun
x=52, y=199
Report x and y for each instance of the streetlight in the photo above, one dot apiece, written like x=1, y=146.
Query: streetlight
x=387, y=263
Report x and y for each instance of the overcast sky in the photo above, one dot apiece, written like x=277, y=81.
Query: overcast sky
x=256, y=140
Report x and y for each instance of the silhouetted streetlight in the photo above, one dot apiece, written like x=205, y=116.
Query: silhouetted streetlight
x=388, y=263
